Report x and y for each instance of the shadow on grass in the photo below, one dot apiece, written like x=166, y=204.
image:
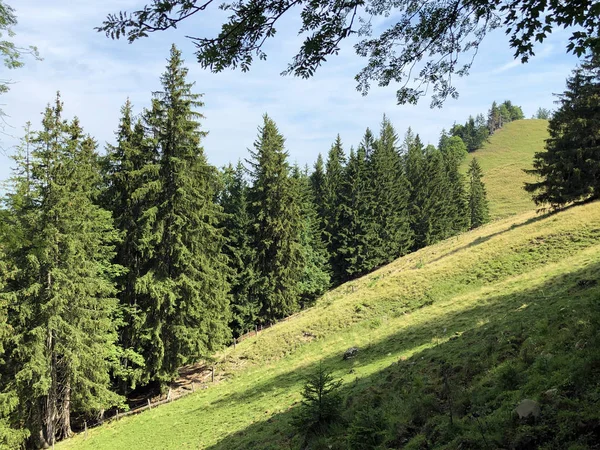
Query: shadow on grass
x=461, y=335
x=480, y=240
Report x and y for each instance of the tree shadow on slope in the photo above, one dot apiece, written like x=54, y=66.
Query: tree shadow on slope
x=482, y=239
x=485, y=346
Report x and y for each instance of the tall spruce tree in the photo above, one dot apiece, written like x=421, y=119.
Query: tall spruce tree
x=183, y=292
x=478, y=205
x=569, y=167
x=335, y=213
x=61, y=295
x=130, y=171
x=276, y=225
x=234, y=200
x=358, y=235
x=315, y=278
x=454, y=151
x=317, y=181
x=390, y=196
x=415, y=168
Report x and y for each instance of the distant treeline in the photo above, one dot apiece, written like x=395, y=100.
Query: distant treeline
x=476, y=130
x=116, y=270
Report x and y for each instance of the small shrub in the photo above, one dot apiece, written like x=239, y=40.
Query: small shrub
x=368, y=428
x=321, y=402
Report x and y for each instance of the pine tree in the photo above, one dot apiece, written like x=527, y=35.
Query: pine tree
x=390, y=197
x=276, y=226
x=335, y=215
x=234, y=200
x=60, y=292
x=315, y=278
x=478, y=206
x=569, y=168
x=183, y=292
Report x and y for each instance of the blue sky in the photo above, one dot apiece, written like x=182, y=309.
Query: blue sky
x=95, y=76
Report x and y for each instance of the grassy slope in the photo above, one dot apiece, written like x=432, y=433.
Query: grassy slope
x=503, y=158
x=506, y=312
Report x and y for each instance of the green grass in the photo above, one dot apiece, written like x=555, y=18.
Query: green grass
x=503, y=158
x=473, y=324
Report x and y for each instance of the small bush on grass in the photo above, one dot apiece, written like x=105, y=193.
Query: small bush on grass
x=321, y=403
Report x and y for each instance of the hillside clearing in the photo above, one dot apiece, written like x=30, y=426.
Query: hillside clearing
x=476, y=302
x=503, y=158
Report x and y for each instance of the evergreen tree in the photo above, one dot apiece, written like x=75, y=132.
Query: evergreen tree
x=390, y=198
x=130, y=170
x=542, y=113
x=317, y=181
x=494, y=118
x=478, y=205
x=234, y=200
x=315, y=277
x=454, y=152
x=276, y=226
x=439, y=209
x=358, y=234
x=61, y=295
x=415, y=169
x=335, y=214
x=569, y=168
x=183, y=292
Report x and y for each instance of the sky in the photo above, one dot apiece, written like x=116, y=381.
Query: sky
x=95, y=76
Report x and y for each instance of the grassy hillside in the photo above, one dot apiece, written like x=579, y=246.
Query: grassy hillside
x=503, y=158
x=451, y=338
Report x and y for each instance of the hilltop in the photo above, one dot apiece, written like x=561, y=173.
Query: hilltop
x=464, y=329
x=503, y=158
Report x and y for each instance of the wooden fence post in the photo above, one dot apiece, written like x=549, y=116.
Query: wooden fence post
x=85, y=433
x=212, y=374
x=149, y=404
x=256, y=330
x=169, y=395
x=234, y=343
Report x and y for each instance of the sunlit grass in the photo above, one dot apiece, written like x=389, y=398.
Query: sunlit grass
x=503, y=158
x=439, y=302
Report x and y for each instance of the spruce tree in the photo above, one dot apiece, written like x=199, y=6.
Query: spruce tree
x=569, y=167
x=130, y=172
x=415, y=168
x=315, y=277
x=237, y=223
x=358, y=234
x=335, y=214
x=390, y=197
x=439, y=208
x=276, y=226
x=61, y=295
x=478, y=205
x=454, y=151
x=317, y=181
x=183, y=291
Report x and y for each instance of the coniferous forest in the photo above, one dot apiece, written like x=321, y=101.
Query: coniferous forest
x=122, y=264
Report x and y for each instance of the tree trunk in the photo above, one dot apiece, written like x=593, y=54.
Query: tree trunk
x=65, y=413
